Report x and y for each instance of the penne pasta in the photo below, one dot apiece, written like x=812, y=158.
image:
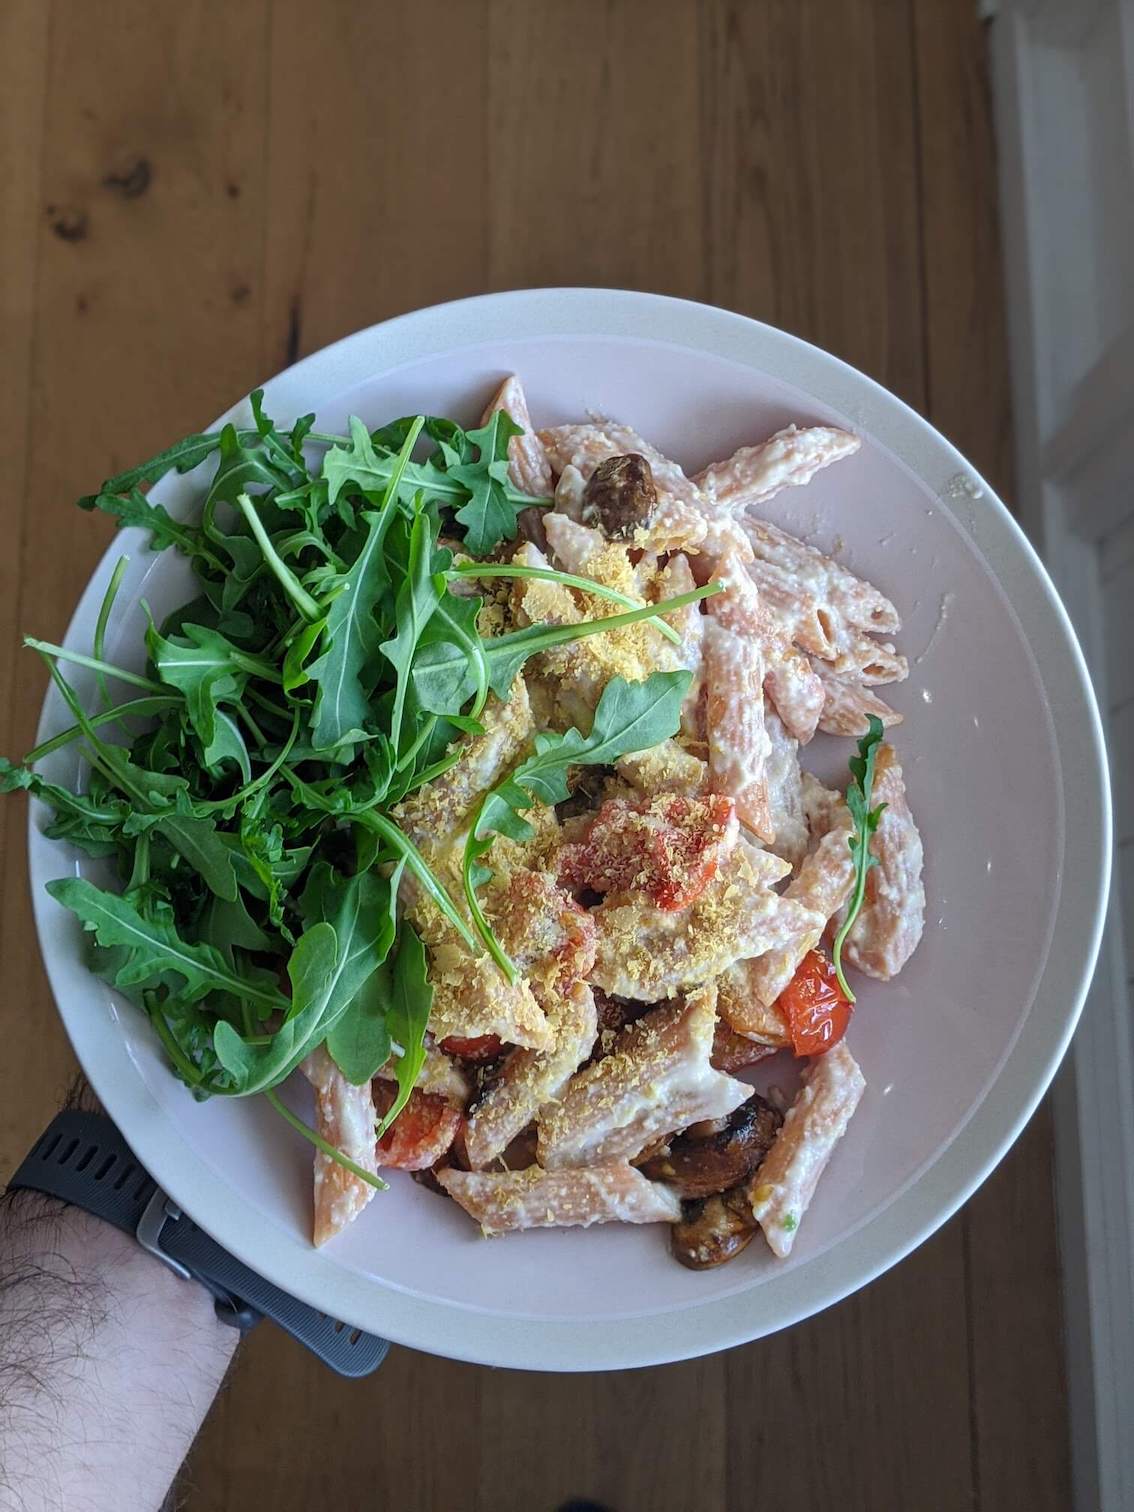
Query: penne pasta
x=440, y=1076
x=790, y=458
x=679, y=522
x=665, y=768
x=503, y=1201
x=574, y=545
x=781, y=1190
x=435, y=814
x=472, y=998
x=528, y=467
x=646, y=953
x=795, y=689
x=887, y=930
x=345, y=1117
x=798, y=609
x=738, y=739
x=850, y=600
x=822, y=886
x=740, y=1006
x=657, y=1078
x=847, y=706
x=675, y=579
x=870, y=662
x=531, y=1079
x=785, y=792
x=535, y=601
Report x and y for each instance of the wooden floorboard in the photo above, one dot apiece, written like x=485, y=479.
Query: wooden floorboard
x=269, y=176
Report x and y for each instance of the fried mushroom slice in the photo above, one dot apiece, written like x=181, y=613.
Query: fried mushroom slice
x=712, y=1230
x=702, y=1167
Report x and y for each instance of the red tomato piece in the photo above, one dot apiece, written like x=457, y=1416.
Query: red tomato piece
x=814, y=1005
x=422, y=1132
x=476, y=1047
x=668, y=847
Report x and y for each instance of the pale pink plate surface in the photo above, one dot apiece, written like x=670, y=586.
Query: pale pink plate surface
x=1004, y=764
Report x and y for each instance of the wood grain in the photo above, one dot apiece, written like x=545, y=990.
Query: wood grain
x=265, y=177
x=810, y=176
x=143, y=329
x=593, y=157
x=377, y=182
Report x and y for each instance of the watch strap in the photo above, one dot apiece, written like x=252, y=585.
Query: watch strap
x=83, y=1159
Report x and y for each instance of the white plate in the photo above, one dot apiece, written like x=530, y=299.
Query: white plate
x=1004, y=762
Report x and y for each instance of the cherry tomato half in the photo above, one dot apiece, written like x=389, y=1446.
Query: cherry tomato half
x=422, y=1132
x=813, y=1003
x=477, y=1047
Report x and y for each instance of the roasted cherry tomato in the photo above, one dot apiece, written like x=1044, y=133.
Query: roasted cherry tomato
x=478, y=1047
x=422, y=1131
x=813, y=1003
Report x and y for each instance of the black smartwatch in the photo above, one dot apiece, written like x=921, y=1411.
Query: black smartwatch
x=83, y=1159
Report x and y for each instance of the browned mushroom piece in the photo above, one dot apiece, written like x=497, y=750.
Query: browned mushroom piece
x=620, y=496
x=701, y=1167
x=713, y=1230
x=734, y=1052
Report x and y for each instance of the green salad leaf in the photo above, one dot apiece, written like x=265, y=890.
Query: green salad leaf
x=242, y=796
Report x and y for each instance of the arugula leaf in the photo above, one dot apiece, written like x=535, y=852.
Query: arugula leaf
x=183, y=456
x=154, y=949
x=490, y=514
x=859, y=792
x=360, y=1042
x=133, y=508
x=352, y=636
x=329, y=966
x=479, y=490
x=207, y=669
x=629, y=717
x=418, y=595
x=443, y=680
x=411, y=1000
x=314, y=971
x=286, y=578
x=228, y=925
x=197, y=840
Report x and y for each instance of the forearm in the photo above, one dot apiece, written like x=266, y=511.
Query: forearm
x=108, y=1362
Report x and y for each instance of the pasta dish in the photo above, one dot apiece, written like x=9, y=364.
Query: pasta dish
x=491, y=816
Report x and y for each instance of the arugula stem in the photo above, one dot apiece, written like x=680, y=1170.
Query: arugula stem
x=550, y=575
x=103, y=618
x=267, y=704
x=132, y=708
x=321, y=1144
x=257, y=733
x=404, y=846
x=287, y=579
x=135, y=679
x=265, y=776
x=539, y=637
x=860, y=790
x=189, y=1072
x=484, y=928
x=840, y=939
x=427, y=728
x=140, y=872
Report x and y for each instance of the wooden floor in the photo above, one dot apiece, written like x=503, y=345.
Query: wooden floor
x=196, y=192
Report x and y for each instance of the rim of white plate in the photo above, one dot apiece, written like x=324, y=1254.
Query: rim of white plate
x=959, y=1167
